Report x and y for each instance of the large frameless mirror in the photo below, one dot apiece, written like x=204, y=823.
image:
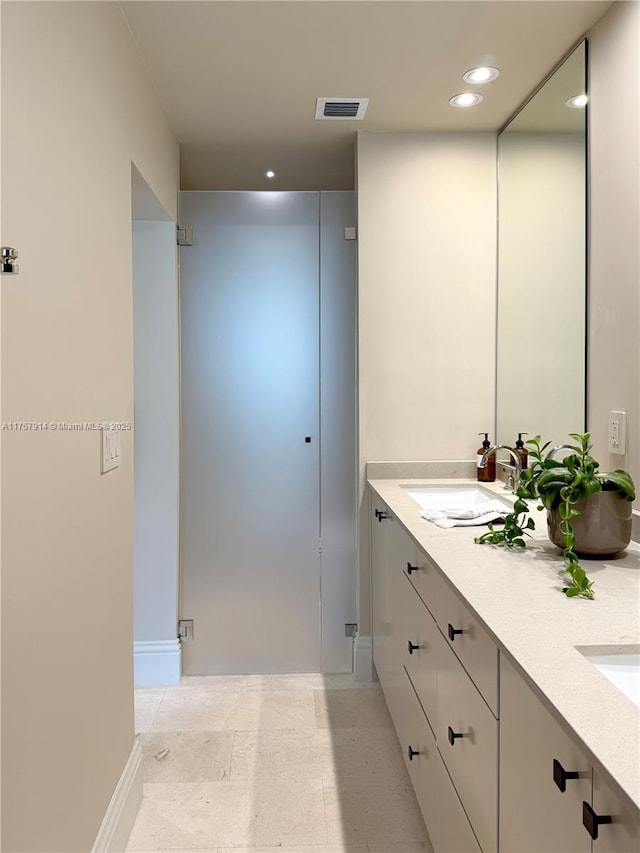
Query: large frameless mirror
x=542, y=209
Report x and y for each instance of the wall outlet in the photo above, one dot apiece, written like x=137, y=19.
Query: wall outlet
x=617, y=432
x=185, y=629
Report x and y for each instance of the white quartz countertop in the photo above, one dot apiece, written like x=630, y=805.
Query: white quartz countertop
x=517, y=594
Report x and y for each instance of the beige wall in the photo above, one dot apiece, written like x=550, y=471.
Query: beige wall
x=427, y=279
x=77, y=109
x=614, y=300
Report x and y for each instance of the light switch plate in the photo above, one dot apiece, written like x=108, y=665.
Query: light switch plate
x=617, y=432
x=111, y=449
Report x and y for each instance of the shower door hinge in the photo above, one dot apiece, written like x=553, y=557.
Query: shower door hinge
x=185, y=629
x=350, y=629
x=185, y=235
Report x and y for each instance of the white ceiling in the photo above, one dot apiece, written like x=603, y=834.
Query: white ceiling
x=239, y=78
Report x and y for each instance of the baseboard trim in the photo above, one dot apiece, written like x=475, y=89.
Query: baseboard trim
x=156, y=663
x=363, y=658
x=120, y=816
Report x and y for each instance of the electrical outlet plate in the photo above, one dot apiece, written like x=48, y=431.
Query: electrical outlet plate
x=111, y=449
x=185, y=629
x=617, y=432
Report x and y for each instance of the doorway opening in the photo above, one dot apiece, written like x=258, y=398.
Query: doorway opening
x=156, y=438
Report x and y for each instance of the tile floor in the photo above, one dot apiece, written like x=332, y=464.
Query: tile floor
x=273, y=764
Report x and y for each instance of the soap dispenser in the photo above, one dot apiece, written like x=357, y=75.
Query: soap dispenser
x=521, y=450
x=488, y=473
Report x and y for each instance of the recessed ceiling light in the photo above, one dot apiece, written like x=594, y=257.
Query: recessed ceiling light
x=577, y=102
x=270, y=174
x=481, y=74
x=465, y=99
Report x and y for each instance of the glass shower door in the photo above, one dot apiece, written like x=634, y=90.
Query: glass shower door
x=250, y=562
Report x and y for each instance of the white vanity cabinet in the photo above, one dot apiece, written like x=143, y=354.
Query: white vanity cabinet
x=551, y=798
x=493, y=767
x=425, y=685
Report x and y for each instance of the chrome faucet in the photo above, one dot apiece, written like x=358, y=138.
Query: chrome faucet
x=557, y=449
x=512, y=479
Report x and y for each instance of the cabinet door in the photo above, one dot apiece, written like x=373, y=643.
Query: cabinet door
x=535, y=815
x=622, y=835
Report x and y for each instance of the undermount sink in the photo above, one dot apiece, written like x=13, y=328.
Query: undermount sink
x=447, y=497
x=621, y=668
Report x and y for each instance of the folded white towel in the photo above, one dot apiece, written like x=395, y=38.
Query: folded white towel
x=466, y=516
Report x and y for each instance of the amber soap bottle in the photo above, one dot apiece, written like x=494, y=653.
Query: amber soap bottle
x=488, y=473
x=522, y=451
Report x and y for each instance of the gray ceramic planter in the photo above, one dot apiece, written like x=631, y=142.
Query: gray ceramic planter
x=603, y=527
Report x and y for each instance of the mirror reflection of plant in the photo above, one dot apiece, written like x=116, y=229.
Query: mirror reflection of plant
x=561, y=484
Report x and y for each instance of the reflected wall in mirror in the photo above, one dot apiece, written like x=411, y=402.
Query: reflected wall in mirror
x=542, y=193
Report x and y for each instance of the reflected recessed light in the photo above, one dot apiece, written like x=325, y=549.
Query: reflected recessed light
x=577, y=102
x=270, y=174
x=481, y=74
x=465, y=99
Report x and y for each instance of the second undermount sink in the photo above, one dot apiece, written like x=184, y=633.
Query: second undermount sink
x=448, y=497
x=620, y=667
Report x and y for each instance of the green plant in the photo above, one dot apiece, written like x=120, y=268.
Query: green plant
x=515, y=528
x=562, y=484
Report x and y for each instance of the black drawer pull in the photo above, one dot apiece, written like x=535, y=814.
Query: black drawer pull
x=381, y=514
x=411, y=647
x=591, y=821
x=411, y=568
x=451, y=631
x=411, y=752
x=560, y=775
x=453, y=736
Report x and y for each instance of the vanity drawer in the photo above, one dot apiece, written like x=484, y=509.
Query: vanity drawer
x=421, y=646
x=467, y=737
x=446, y=822
x=421, y=572
x=470, y=642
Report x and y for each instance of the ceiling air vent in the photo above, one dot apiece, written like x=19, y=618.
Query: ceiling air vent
x=352, y=109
